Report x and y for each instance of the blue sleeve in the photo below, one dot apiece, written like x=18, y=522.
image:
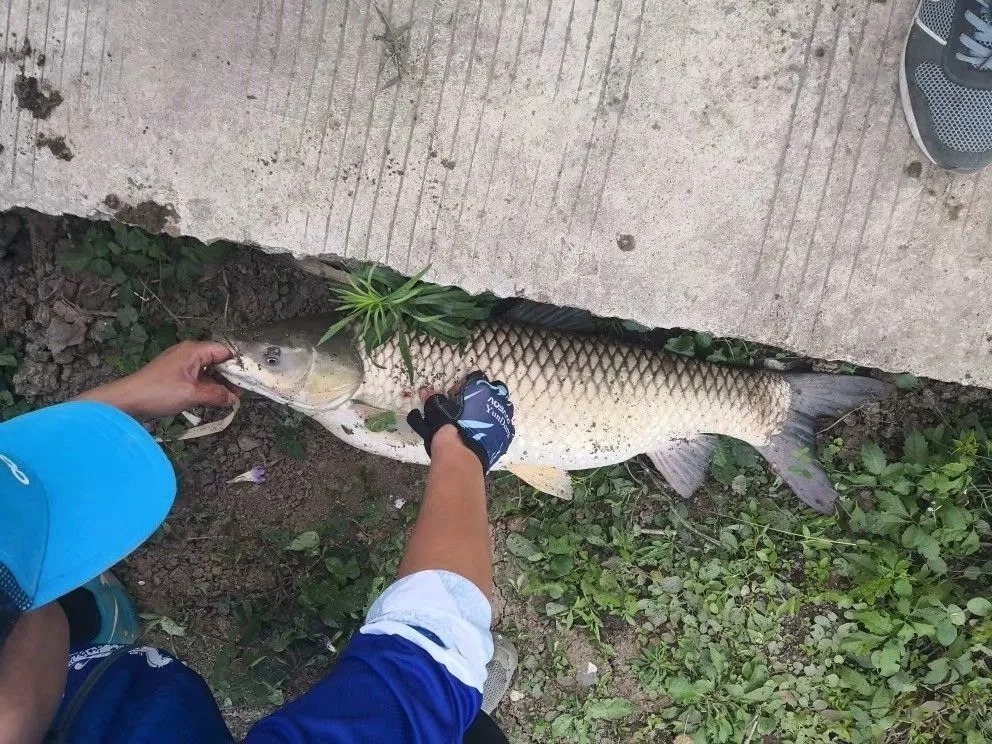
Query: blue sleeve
x=413, y=673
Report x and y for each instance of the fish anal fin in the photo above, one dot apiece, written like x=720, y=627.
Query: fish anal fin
x=546, y=479
x=685, y=462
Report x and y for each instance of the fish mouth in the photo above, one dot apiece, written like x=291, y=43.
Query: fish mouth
x=235, y=371
x=236, y=357
x=236, y=375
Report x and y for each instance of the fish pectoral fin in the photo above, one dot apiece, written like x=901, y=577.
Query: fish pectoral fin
x=685, y=462
x=546, y=479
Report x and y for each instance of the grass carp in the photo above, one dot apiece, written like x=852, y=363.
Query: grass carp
x=582, y=400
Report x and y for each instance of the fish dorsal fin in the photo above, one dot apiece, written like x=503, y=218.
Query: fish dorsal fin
x=685, y=462
x=546, y=479
x=569, y=319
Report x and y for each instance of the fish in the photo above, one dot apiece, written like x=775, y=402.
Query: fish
x=582, y=399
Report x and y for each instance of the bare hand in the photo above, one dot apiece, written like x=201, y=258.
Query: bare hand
x=173, y=381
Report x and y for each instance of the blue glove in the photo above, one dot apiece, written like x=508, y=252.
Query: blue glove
x=482, y=413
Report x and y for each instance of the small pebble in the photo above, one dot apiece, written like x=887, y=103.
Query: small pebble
x=247, y=444
x=587, y=677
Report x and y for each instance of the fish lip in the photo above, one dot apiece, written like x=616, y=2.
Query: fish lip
x=234, y=370
x=232, y=347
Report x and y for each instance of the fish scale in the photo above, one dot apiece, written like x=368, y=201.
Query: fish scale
x=583, y=401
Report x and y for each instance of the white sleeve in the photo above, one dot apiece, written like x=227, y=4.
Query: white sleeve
x=449, y=607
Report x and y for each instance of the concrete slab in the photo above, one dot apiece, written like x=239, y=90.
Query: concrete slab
x=742, y=168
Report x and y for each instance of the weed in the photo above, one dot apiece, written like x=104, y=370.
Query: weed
x=143, y=269
x=10, y=406
x=704, y=346
x=907, y=381
x=384, y=421
x=383, y=304
x=581, y=553
x=164, y=623
x=585, y=719
x=327, y=583
x=168, y=430
x=756, y=618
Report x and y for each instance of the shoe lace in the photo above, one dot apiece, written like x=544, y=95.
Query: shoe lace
x=977, y=41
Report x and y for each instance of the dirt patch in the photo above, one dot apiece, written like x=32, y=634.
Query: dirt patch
x=39, y=98
x=220, y=548
x=17, y=54
x=626, y=242
x=148, y=215
x=57, y=146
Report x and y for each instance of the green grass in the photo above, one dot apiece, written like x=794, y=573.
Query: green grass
x=145, y=270
x=10, y=405
x=754, y=616
x=705, y=346
x=327, y=581
x=381, y=304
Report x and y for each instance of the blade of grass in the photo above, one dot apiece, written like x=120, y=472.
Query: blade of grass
x=404, y=345
x=383, y=305
x=336, y=328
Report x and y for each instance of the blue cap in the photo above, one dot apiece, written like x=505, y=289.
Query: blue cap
x=81, y=486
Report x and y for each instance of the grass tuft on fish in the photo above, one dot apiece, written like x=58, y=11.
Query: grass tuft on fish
x=582, y=400
x=379, y=305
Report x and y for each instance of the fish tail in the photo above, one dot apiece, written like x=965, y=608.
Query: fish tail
x=791, y=451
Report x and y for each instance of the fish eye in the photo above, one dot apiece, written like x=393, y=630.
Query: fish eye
x=272, y=354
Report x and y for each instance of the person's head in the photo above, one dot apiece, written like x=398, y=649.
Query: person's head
x=81, y=486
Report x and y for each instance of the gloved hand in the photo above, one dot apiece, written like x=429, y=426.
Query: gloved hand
x=482, y=413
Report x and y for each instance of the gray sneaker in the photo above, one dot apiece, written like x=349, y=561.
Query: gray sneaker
x=946, y=82
x=500, y=671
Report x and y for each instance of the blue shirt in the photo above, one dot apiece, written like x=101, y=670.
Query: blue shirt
x=413, y=673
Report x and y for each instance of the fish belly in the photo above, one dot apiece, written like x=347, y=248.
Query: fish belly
x=584, y=401
x=348, y=423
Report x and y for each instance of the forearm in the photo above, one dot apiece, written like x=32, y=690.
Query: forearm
x=121, y=394
x=32, y=674
x=452, y=530
x=173, y=381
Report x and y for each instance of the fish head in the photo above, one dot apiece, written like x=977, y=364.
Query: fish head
x=286, y=362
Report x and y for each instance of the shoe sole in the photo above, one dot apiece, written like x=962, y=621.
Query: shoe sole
x=907, y=105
